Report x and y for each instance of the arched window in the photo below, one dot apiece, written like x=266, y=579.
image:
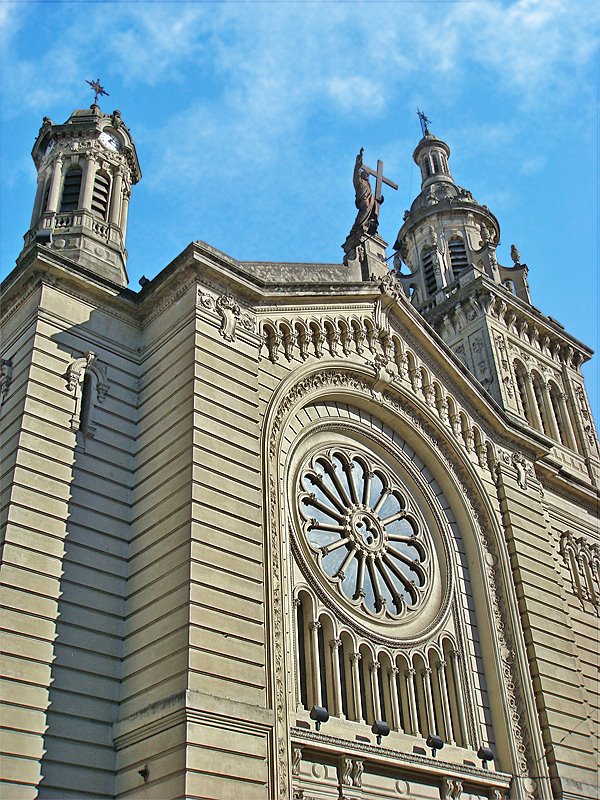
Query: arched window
x=555, y=402
x=101, y=194
x=71, y=189
x=301, y=649
x=521, y=378
x=458, y=255
x=86, y=402
x=46, y=195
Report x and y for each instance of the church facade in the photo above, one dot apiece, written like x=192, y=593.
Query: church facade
x=290, y=531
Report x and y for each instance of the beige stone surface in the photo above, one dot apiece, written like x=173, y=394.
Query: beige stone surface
x=155, y=559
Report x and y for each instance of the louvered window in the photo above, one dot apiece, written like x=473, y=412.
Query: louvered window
x=46, y=195
x=429, y=272
x=71, y=189
x=458, y=256
x=101, y=194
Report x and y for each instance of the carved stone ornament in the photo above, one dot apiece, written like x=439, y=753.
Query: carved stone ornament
x=451, y=789
x=230, y=313
x=522, y=467
x=296, y=760
x=6, y=370
x=582, y=560
x=90, y=362
x=206, y=300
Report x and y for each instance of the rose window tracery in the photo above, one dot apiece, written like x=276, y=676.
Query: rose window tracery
x=364, y=532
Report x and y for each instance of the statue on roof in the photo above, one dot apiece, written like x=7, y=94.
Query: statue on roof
x=365, y=202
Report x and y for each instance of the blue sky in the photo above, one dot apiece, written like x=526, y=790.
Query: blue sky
x=247, y=117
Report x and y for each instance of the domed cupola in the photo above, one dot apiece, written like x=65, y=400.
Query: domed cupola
x=86, y=168
x=447, y=237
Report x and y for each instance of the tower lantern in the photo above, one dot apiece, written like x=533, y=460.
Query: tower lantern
x=86, y=168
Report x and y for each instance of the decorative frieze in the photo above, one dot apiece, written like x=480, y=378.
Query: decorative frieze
x=6, y=370
x=227, y=308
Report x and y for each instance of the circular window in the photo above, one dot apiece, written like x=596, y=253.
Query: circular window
x=365, y=532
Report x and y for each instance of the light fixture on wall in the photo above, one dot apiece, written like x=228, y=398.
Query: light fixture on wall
x=435, y=743
x=485, y=754
x=320, y=715
x=380, y=728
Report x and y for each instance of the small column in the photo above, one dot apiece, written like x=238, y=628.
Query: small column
x=393, y=690
x=124, y=212
x=89, y=176
x=441, y=671
x=115, y=199
x=335, y=645
x=426, y=676
x=374, y=667
x=409, y=674
x=55, y=185
x=314, y=660
x=354, y=659
x=455, y=656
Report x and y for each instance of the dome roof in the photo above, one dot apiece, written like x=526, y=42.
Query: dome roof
x=440, y=191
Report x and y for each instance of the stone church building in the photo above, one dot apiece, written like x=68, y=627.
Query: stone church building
x=290, y=531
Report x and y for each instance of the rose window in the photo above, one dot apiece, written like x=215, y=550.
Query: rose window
x=364, y=533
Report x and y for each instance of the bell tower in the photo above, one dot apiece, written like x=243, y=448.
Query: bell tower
x=526, y=361
x=86, y=168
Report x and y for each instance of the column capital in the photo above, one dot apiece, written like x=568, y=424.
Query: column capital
x=315, y=626
x=426, y=672
x=335, y=644
x=441, y=666
x=374, y=666
x=355, y=657
x=410, y=672
x=393, y=671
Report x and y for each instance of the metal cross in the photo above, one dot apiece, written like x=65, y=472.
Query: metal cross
x=98, y=90
x=424, y=122
x=379, y=179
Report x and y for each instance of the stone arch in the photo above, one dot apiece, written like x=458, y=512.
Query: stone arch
x=457, y=475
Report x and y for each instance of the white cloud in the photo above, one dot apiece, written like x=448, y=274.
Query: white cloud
x=351, y=91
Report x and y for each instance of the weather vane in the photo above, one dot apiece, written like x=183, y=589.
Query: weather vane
x=98, y=90
x=424, y=122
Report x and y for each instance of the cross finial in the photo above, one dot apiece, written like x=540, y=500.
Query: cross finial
x=97, y=89
x=424, y=122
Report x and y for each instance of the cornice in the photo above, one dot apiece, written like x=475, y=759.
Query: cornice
x=379, y=754
x=508, y=310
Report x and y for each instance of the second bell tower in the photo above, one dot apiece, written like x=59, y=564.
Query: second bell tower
x=86, y=168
